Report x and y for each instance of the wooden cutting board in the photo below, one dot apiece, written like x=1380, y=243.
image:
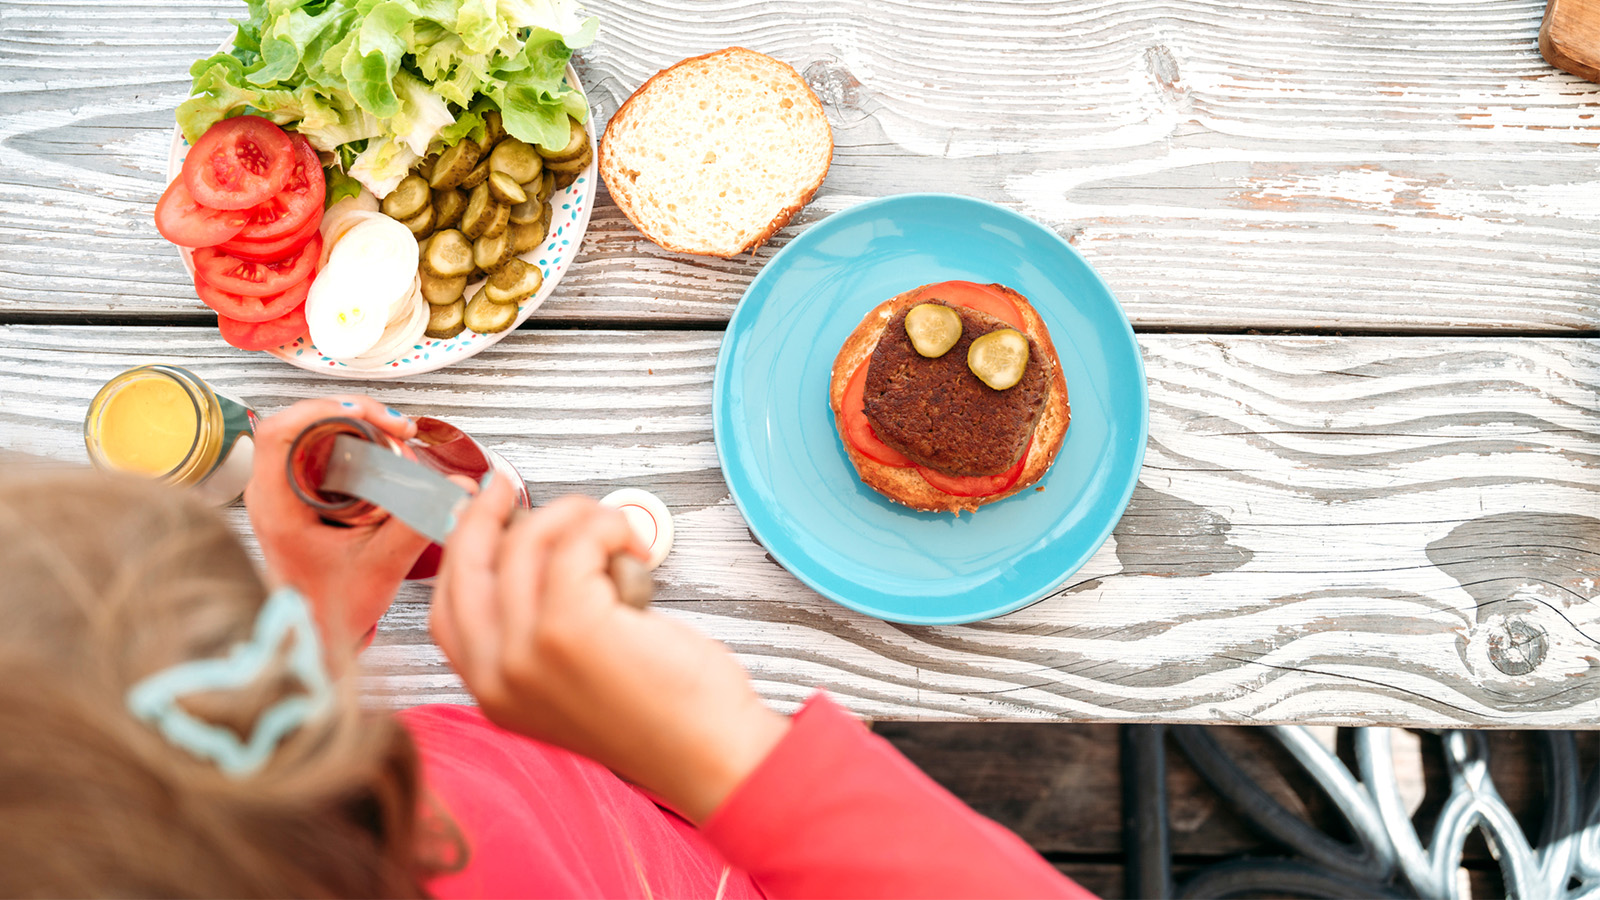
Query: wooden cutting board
x=1570, y=37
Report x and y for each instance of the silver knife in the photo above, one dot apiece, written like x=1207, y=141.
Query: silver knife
x=426, y=500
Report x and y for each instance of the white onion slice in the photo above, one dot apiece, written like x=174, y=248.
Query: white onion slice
x=346, y=319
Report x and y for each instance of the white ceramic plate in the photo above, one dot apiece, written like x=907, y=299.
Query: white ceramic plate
x=571, y=207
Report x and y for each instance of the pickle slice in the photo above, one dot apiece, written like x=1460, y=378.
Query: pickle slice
x=478, y=175
x=446, y=321
x=447, y=208
x=449, y=254
x=442, y=291
x=577, y=142
x=407, y=199
x=505, y=190
x=570, y=166
x=487, y=317
x=494, y=129
x=527, y=212
x=453, y=165
x=526, y=238
x=517, y=159
x=933, y=329
x=999, y=358
x=514, y=282
x=483, y=216
x=490, y=252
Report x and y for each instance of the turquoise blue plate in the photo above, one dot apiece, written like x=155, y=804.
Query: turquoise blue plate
x=787, y=468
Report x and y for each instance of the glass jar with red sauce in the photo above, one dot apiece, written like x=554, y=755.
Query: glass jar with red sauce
x=438, y=445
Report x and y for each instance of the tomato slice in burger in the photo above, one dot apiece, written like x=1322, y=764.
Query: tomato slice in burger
x=980, y=297
x=188, y=224
x=238, y=163
x=858, y=431
x=264, y=335
x=271, y=251
x=227, y=272
x=300, y=201
x=977, y=485
x=252, y=309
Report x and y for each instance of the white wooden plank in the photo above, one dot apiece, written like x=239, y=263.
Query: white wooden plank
x=1226, y=164
x=1329, y=530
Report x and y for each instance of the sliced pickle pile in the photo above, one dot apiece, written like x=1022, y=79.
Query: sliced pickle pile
x=999, y=358
x=474, y=208
x=933, y=329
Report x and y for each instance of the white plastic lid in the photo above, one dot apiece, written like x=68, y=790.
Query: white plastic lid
x=649, y=517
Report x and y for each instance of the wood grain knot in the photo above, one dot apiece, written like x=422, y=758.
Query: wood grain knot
x=834, y=84
x=1163, y=67
x=1517, y=646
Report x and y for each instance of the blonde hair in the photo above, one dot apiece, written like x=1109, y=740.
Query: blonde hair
x=104, y=581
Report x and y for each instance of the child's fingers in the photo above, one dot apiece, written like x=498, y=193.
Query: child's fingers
x=465, y=610
x=391, y=420
x=268, y=495
x=394, y=543
x=584, y=552
x=276, y=432
x=386, y=418
x=522, y=563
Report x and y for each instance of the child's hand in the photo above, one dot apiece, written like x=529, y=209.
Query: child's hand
x=350, y=575
x=526, y=613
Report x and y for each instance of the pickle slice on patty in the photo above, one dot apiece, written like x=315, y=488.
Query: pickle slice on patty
x=999, y=358
x=933, y=329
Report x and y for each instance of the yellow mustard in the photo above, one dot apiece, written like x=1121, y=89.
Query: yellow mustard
x=149, y=426
x=165, y=423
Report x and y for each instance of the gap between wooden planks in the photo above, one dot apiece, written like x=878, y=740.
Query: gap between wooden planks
x=1332, y=530
x=1225, y=164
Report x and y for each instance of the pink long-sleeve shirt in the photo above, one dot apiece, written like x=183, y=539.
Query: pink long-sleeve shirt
x=833, y=811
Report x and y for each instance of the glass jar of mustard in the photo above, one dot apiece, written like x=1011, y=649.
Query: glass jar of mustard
x=166, y=423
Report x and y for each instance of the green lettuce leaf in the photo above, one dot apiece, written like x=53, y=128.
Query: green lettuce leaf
x=340, y=186
x=381, y=82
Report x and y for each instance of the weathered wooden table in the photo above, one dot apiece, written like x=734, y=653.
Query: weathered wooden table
x=1357, y=239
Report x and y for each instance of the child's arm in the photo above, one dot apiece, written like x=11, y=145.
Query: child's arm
x=815, y=806
x=835, y=811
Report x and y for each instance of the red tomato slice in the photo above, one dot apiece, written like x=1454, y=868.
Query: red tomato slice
x=264, y=335
x=238, y=163
x=858, y=431
x=977, y=485
x=287, y=211
x=252, y=309
x=254, y=279
x=980, y=297
x=271, y=251
x=188, y=224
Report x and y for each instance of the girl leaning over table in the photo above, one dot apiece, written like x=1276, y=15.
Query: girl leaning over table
x=174, y=727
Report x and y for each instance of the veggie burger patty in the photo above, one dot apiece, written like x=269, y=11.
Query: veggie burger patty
x=938, y=413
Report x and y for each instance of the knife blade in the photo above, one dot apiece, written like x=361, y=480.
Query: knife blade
x=426, y=500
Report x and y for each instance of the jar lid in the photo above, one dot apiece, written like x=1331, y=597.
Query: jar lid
x=649, y=518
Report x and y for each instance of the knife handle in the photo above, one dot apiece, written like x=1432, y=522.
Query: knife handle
x=635, y=587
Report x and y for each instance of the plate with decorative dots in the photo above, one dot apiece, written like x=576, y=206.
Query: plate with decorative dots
x=570, y=207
